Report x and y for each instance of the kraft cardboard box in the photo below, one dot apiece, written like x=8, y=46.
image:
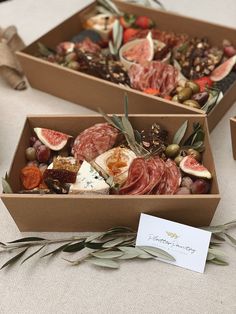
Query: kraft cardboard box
x=95, y=213
x=93, y=92
x=233, y=135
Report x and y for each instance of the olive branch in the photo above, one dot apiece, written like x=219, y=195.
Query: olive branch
x=108, y=249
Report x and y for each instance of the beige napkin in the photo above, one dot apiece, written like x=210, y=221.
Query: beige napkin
x=10, y=68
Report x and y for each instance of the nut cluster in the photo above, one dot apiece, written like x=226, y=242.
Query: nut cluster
x=198, y=58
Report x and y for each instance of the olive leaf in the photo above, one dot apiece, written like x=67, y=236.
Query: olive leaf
x=31, y=255
x=216, y=252
x=232, y=240
x=117, y=36
x=107, y=254
x=14, y=259
x=27, y=239
x=43, y=50
x=180, y=133
x=6, y=187
x=57, y=250
x=157, y=252
x=212, y=100
x=103, y=262
x=128, y=252
x=114, y=242
x=218, y=261
x=94, y=236
x=75, y=247
x=110, y=6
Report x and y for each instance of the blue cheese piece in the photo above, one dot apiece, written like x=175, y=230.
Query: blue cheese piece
x=88, y=181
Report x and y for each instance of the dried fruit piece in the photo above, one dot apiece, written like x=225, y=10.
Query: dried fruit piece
x=30, y=177
x=191, y=166
x=52, y=139
x=223, y=70
x=62, y=175
x=129, y=33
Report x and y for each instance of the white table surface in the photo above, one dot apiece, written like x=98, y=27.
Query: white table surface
x=138, y=287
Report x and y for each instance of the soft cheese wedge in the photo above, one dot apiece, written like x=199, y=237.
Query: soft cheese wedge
x=88, y=181
x=115, y=163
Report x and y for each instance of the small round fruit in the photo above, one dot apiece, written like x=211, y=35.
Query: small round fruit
x=32, y=140
x=192, y=103
x=175, y=98
x=30, y=153
x=194, y=86
x=184, y=94
x=194, y=153
x=201, y=98
x=200, y=186
x=37, y=144
x=43, y=153
x=186, y=182
x=172, y=150
x=183, y=191
x=178, y=159
x=42, y=167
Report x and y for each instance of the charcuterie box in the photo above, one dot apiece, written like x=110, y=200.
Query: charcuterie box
x=233, y=135
x=99, y=212
x=92, y=92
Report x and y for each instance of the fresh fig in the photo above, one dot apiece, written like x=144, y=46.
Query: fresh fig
x=223, y=70
x=52, y=139
x=191, y=166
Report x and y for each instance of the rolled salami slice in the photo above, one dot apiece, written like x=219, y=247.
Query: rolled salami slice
x=173, y=178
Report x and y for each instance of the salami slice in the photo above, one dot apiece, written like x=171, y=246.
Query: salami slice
x=155, y=75
x=94, y=141
x=143, y=177
x=173, y=178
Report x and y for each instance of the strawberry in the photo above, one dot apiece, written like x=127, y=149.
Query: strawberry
x=144, y=22
x=204, y=82
x=127, y=20
x=128, y=34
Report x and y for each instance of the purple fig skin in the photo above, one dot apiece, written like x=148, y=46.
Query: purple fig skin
x=200, y=186
x=183, y=191
x=186, y=182
x=37, y=144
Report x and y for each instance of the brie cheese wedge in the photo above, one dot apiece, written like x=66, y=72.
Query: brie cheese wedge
x=115, y=163
x=88, y=181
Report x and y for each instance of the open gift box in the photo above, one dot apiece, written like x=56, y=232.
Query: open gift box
x=92, y=92
x=53, y=212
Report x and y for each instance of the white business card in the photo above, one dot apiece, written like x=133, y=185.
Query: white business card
x=188, y=245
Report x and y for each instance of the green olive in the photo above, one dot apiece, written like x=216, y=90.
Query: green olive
x=172, y=150
x=175, y=98
x=185, y=94
x=194, y=153
x=30, y=153
x=178, y=159
x=179, y=89
x=195, y=87
x=192, y=103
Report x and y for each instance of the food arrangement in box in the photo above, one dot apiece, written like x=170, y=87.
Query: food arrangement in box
x=133, y=51
x=114, y=158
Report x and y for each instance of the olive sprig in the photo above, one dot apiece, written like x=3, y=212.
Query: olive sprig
x=107, y=249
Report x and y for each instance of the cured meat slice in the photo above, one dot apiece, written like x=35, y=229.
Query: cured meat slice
x=94, y=141
x=144, y=175
x=155, y=75
x=173, y=178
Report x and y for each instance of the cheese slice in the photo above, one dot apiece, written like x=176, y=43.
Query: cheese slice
x=115, y=163
x=88, y=181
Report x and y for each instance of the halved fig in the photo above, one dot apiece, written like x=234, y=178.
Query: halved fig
x=191, y=166
x=223, y=70
x=52, y=139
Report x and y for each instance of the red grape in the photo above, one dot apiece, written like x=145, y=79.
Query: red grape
x=43, y=153
x=200, y=186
